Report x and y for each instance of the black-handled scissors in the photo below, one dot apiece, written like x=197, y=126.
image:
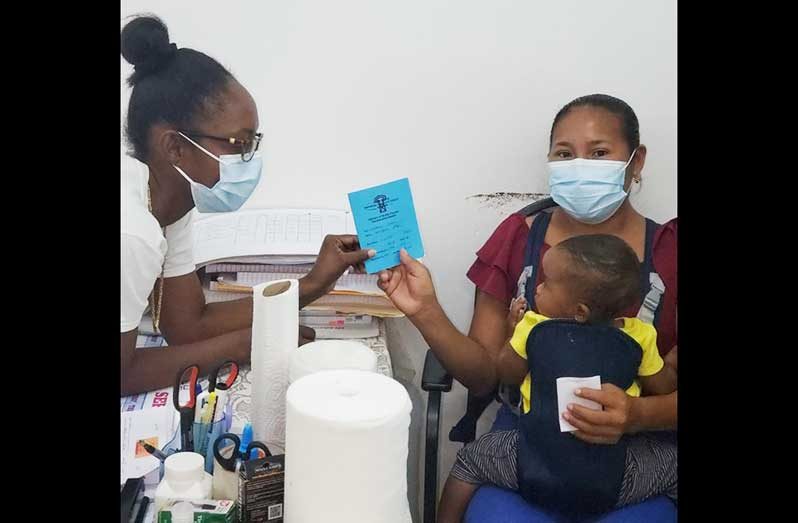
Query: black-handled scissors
x=213, y=382
x=186, y=409
x=229, y=462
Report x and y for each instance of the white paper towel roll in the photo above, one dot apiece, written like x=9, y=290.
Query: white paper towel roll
x=346, y=449
x=275, y=332
x=330, y=355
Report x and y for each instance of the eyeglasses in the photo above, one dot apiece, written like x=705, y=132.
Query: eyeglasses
x=248, y=147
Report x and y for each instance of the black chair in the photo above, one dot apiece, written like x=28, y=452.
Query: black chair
x=435, y=380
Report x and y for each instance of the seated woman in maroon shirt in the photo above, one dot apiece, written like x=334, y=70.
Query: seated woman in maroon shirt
x=595, y=157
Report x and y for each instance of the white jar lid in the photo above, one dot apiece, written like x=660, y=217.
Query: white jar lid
x=184, y=466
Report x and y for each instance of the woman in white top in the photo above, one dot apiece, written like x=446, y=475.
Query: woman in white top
x=192, y=130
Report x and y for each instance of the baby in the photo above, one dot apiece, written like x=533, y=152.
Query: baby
x=588, y=281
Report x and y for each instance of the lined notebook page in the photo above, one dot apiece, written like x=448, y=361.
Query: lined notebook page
x=257, y=267
x=265, y=232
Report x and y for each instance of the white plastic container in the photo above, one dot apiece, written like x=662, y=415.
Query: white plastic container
x=184, y=478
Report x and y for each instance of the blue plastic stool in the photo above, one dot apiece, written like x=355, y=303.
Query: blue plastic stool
x=496, y=505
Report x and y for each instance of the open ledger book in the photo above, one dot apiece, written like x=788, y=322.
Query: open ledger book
x=278, y=236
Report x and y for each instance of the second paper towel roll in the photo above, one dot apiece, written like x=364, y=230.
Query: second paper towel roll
x=330, y=355
x=346, y=455
x=275, y=333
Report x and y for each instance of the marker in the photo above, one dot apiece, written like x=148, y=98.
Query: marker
x=207, y=415
x=152, y=450
x=145, y=501
x=246, y=438
x=201, y=401
x=221, y=402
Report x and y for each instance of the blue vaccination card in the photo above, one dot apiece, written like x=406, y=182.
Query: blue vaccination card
x=385, y=220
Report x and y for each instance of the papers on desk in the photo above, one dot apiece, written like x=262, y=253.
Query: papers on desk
x=156, y=427
x=157, y=399
x=242, y=249
x=379, y=306
x=149, y=340
x=356, y=284
x=150, y=416
x=148, y=400
x=339, y=326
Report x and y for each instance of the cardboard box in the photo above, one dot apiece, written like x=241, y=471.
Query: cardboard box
x=205, y=511
x=261, y=490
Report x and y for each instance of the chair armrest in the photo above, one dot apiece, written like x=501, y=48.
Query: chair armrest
x=435, y=377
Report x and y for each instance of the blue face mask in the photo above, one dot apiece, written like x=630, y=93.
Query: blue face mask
x=590, y=191
x=237, y=181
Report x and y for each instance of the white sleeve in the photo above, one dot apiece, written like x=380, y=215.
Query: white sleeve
x=141, y=267
x=180, y=248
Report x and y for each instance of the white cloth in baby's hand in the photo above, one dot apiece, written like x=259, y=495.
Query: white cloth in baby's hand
x=565, y=396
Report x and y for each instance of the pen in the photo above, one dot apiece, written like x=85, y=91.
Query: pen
x=152, y=450
x=145, y=501
x=202, y=506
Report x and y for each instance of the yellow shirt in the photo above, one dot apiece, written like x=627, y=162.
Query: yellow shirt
x=643, y=333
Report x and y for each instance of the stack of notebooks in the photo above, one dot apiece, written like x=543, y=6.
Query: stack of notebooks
x=237, y=251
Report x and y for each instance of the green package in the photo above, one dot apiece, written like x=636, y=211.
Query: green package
x=205, y=511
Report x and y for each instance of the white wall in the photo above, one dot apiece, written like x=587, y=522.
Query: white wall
x=458, y=96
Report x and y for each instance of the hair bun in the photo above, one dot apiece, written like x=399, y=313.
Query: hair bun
x=145, y=45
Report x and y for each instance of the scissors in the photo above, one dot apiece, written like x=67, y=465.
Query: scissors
x=186, y=409
x=229, y=463
x=220, y=387
x=223, y=385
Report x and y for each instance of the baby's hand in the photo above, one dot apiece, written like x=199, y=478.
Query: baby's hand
x=517, y=310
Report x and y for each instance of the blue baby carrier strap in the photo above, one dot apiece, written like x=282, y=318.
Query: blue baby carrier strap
x=651, y=285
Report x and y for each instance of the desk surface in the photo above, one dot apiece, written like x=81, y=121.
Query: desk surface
x=242, y=391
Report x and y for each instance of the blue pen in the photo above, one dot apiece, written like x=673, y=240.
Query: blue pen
x=246, y=438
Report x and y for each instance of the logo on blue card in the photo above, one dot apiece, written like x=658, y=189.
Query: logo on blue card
x=381, y=201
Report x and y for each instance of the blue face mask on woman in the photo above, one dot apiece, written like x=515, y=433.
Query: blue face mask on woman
x=237, y=181
x=590, y=191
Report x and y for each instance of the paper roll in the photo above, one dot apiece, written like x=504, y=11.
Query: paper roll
x=330, y=355
x=346, y=448
x=275, y=333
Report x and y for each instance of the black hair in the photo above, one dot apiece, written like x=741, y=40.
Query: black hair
x=170, y=85
x=630, y=127
x=606, y=273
